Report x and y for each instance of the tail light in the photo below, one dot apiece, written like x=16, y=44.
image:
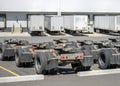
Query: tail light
x=66, y=57
x=79, y=57
x=63, y=57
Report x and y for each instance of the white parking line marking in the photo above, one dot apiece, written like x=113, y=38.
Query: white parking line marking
x=98, y=72
x=21, y=78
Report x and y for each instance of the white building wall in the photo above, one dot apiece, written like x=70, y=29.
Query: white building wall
x=65, y=5
x=29, y=5
x=90, y=5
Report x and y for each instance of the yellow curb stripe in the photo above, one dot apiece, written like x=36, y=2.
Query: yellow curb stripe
x=9, y=71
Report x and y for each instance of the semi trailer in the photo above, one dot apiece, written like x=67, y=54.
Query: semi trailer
x=107, y=23
x=36, y=24
x=76, y=23
x=54, y=23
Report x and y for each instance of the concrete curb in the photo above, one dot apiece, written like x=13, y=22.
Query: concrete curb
x=21, y=78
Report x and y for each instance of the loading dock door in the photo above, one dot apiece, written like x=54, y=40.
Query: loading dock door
x=2, y=21
x=16, y=19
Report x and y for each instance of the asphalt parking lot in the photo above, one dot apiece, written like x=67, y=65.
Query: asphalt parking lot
x=66, y=76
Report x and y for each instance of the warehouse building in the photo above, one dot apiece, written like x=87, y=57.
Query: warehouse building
x=14, y=13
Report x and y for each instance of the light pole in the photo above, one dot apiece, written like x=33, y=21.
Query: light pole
x=59, y=7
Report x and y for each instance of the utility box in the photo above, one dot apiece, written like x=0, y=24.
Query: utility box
x=36, y=23
x=76, y=23
x=54, y=23
x=107, y=23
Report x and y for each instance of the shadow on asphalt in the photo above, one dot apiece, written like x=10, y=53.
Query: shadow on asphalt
x=64, y=71
x=34, y=35
x=56, y=34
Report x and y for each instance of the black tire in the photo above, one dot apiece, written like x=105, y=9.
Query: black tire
x=1, y=56
x=53, y=71
x=83, y=68
x=40, y=63
x=17, y=61
x=12, y=58
x=74, y=66
x=104, y=59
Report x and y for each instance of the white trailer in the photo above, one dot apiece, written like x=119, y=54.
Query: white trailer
x=36, y=24
x=76, y=23
x=107, y=23
x=54, y=23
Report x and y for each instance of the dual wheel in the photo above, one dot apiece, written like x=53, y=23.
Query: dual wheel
x=21, y=64
x=3, y=58
x=104, y=59
x=40, y=66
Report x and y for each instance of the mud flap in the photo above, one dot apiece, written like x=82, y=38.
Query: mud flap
x=51, y=63
x=88, y=59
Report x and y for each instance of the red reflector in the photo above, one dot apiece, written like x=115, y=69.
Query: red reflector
x=63, y=57
x=66, y=57
x=77, y=57
x=81, y=57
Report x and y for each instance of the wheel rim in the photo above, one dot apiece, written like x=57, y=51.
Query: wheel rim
x=0, y=54
x=38, y=64
x=102, y=59
x=16, y=60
